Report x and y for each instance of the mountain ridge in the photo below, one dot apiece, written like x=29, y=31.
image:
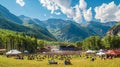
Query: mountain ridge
x=4, y=12
x=52, y=29
x=58, y=26
x=9, y=21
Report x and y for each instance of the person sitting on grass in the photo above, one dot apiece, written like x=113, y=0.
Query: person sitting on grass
x=92, y=59
x=67, y=62
x=52, y=61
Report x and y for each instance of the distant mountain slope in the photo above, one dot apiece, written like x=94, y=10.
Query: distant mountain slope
x=55, y=23
x=115, y=30
x=65, y=30
x=12, y=22
x=7, y=24
x=31, y=20
x=75, y=32
x=62, y=29
x=6, y=14
x=35, y=24
x=97, y=28
x=72, y=33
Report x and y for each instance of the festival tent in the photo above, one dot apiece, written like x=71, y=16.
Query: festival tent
x=113, y=52
x=90, y=51
x=26, y=52
x=101, y=53
x=13, y=52
x=54, y=50
x=101, y=50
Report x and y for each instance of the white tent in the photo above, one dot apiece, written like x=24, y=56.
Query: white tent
x=13, y=52
x=90, y=51
x=54, y=50
x=101, y=50
x=101, y=53
x=26, y=52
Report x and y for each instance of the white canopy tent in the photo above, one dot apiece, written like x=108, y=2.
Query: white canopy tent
x=26, y=52
x=101, y=53
x=90, y=51
x=13, y=52
x=101, y=50
x=54, y=50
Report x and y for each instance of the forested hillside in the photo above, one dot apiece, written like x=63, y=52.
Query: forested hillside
x=38, y=32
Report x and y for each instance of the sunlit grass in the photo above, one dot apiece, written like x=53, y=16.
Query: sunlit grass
x=76, y=62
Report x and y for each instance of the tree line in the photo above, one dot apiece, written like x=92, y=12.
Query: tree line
x=97, y=42
x=14, y=40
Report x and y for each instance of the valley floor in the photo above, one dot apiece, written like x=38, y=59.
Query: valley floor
x=76, y=62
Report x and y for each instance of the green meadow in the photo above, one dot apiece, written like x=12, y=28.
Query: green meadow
x=76, y=62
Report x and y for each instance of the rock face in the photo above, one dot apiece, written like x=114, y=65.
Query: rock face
x=114, y=30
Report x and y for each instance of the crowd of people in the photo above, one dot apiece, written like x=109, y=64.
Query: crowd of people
x=52, y=59
x=66, y=59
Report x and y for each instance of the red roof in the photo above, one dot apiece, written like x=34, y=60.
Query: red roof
x=113, y=52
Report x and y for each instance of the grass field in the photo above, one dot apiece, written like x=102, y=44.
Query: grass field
x=76, y=62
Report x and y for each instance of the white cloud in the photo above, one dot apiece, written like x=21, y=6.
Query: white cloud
x=108, y=12
x=117, y=14
x=83, y=4
x=78, y=15
x=74, y=12
x=49, y=4
x=20, y=2
x=87, y=14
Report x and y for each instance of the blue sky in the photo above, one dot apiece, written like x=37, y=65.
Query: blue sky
x=65, y=9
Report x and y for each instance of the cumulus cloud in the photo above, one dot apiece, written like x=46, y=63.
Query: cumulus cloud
x=77, y=12
x=117, y=14
x=87, y=14
x=108, y=12
x=49, y=4
x=83, y=4
x=20, y=2
x=78, y=15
